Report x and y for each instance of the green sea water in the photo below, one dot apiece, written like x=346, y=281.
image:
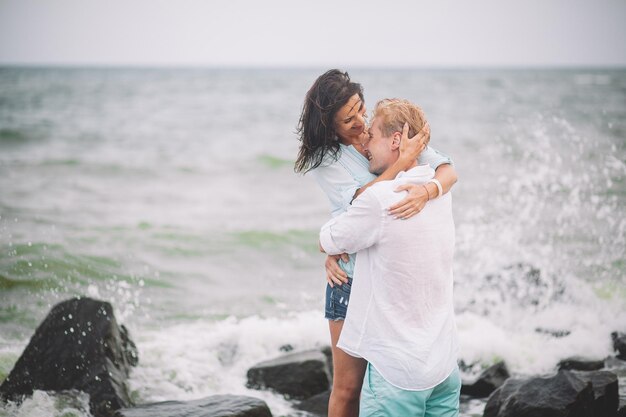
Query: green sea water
x=171, y=194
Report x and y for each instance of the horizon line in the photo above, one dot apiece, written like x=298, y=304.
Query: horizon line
x=65, y=65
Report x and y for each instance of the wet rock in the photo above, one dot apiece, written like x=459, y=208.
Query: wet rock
x=466, y=367
x=78, y=346
x=316, y=405
x=328, y=352
x=619, y=344
x=605, y=390
x=614, y=363
x=553, y=332
x=578, y=363
x=491, y=379
x=621, y=411
x=521, y=285
x=494, y=403
x=297, y=375
x=214, y=406
x=564, y=395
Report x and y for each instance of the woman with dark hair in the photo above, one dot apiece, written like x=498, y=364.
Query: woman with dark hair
x=333, y=135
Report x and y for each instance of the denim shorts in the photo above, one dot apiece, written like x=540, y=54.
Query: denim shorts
x=337, y=298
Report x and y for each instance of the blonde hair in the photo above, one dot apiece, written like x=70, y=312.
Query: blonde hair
x=394, y=112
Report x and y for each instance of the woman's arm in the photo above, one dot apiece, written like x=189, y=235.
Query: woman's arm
x=339, y=186
x=410, y=149
x=419, y=194
x=446, y=175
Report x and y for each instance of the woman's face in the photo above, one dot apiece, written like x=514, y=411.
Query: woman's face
x=350, y=119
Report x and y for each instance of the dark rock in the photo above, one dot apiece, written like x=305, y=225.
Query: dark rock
x=494, y=403
x=78, y=346
x=465, y=367
x=613, y=362
x=553, y=332
x=577, y=363
x=297, y=375
x=521, y=285
x=605, y=390
x=621, y=410
x=316, y=405
x=214, y=406
x=491, y=379
x=286, y=348
x=562, y=395
x=328, y=352
x=619, y=344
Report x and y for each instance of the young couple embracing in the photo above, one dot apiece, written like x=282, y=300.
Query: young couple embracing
x=390, y=247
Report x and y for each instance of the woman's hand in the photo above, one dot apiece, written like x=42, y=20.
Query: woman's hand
x=334, y=274
x=411, y=148
x=412, y=204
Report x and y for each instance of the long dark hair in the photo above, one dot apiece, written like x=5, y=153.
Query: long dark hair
x=316, y=128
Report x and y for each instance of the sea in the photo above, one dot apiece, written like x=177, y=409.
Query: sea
x=171, y=194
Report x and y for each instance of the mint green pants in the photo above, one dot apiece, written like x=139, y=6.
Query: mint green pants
x=381, y=399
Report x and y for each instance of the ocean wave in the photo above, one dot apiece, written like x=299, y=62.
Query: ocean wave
x=16, y=137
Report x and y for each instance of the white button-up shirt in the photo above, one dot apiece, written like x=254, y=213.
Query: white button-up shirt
x=340, y=178
x=401, y=313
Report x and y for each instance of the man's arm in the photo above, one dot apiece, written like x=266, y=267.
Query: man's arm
x=356, y=229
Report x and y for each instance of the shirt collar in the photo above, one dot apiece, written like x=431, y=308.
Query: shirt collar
x=417, y=174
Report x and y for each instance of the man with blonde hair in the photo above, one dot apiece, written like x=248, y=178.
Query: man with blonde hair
x=401, y=315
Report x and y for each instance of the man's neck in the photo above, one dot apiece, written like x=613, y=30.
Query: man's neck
x=413, y=165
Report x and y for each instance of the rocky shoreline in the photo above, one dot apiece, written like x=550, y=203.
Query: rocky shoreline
x=80, y=346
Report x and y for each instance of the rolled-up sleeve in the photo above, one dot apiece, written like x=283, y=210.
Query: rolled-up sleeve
x=356, y=229
x=434, y=158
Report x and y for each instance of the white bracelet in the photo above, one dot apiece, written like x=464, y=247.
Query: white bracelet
x=438, y=184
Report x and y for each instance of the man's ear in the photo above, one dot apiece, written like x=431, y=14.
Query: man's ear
x=395, y=143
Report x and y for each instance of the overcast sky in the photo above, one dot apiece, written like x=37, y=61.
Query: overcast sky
x=274, y=33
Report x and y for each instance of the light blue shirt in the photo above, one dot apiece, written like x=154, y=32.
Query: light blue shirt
x=340, y=179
